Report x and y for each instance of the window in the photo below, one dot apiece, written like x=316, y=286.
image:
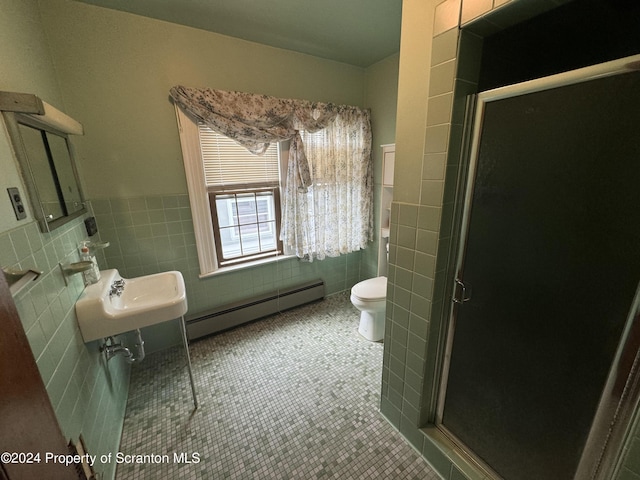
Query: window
x=237, y=197
x=246, y=224
x=244, y=197
x=229, y=186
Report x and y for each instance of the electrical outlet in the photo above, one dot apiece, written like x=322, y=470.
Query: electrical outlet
x=16, y=201
x=91, y=226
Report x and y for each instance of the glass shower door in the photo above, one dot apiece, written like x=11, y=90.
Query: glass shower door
x=551, y=262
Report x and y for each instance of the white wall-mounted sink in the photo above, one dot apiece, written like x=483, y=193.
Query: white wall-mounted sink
x=143, y=301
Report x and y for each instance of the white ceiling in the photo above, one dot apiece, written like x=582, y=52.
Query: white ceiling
x=357, y=32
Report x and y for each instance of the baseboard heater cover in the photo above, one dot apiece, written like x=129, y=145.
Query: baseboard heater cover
x=234, y=314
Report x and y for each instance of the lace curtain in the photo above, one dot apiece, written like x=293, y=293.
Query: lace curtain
x=333, y=216
x=328, y=195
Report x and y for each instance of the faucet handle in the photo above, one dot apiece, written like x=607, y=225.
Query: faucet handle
x=117, y=287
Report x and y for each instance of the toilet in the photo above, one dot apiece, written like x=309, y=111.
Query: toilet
x=370, y=297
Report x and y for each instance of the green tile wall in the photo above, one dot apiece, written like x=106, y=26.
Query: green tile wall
x=88, y=395
x=419, y=242
x=155, y=233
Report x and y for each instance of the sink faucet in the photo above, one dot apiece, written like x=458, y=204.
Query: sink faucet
x=117, y=287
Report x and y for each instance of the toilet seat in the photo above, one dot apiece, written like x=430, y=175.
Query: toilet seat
x=370, y=290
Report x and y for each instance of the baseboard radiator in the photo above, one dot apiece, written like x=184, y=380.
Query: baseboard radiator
x=234, y=314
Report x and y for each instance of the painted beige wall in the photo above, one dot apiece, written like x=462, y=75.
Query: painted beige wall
x=24, y=53
x=413, y=90
x=115, y=71
x=381, y=93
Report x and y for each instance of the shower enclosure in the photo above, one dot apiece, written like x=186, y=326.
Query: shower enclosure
x=547, y=274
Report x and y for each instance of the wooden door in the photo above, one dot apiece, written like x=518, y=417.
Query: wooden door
x=28, y=425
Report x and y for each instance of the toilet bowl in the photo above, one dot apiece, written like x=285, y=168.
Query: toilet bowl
x=370, y=297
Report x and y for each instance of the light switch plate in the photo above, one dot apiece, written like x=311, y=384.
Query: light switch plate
x=16, y=201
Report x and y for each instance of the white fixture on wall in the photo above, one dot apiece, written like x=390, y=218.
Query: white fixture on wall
x=39, y=136
x=386, y=197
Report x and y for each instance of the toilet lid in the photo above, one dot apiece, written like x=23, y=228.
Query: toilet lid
x=371, y=289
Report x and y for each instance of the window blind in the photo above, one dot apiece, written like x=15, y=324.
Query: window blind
x=228, y=164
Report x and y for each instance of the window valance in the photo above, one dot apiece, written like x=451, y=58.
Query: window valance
x=254, y=121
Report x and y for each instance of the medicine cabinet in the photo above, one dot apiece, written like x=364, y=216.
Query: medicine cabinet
x=39, y=135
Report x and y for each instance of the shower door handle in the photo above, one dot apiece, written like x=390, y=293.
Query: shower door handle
x=461, y=288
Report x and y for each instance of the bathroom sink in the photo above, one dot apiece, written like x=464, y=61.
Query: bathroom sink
x=104, y=310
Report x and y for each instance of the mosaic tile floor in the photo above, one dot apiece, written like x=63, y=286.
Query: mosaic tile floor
x=292, y=396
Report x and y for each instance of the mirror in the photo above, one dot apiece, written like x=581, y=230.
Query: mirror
x=45, y=156
x=60, y=151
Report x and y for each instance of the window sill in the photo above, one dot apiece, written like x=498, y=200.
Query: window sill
x=242, y=266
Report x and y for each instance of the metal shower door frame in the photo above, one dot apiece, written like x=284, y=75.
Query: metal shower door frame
x=612, y=421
